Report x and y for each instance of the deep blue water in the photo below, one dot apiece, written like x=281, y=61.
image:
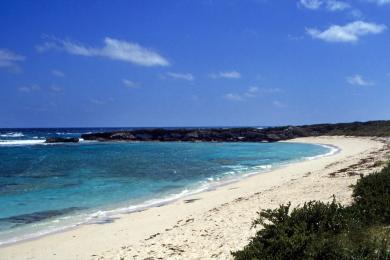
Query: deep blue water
x=44, y=188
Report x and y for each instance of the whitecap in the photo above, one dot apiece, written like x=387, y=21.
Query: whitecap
x=12, y=135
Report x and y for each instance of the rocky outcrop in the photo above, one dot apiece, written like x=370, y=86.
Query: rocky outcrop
x=51, y=140
x=192, y=135
x=271, y=134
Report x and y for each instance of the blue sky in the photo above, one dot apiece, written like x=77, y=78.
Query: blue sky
x=193, y=63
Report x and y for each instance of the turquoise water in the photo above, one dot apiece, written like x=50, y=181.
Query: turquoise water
x=45, y=188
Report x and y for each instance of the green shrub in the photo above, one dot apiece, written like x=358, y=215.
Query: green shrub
x=372, y=197
x=320, y=230
x=306, y=232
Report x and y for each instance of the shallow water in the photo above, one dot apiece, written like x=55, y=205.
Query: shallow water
x=44, y=188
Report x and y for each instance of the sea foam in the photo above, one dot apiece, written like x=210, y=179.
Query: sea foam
x=20, y=142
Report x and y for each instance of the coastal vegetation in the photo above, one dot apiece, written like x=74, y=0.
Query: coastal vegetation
x=319, y=230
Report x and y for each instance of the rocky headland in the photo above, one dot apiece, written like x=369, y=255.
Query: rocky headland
x=271, y=134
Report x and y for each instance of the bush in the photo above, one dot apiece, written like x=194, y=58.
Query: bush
x=307, y=232
x=320, y=230
x=372, y=197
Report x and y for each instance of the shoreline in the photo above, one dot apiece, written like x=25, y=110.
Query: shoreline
x=134, y=231
x=106, y=214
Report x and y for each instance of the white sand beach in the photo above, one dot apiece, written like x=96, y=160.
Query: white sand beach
x=212, y=224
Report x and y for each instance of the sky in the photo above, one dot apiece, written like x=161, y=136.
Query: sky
x=193, y=62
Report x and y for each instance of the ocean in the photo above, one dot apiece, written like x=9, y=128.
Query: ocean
x=47, y=188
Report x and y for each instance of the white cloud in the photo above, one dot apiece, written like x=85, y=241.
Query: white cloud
x=57, y=73
x=233, y=97
x=9, y=60
x=330, y=5
x=113, y=49
x=183, y=76
x=333, y=5
x=311, y=4
x=227, y=75
x=347, y=33
x=358, y=80
x=28, y=89
x=129, y=83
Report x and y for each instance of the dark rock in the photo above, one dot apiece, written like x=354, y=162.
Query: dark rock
x=271, y=134
x=123, y=136
x=51, y=140
x=193, y=134
x=144, y=137
x=274, y=137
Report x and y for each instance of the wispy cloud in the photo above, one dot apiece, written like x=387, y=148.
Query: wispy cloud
x=42, y=107
x=330, y=5
x=311, y=4
x=251, y=92
x=10, y=60
x=28, y=89
x=36, y=88
x=129, y=83
x=356, y=14
x=98, y=101
x=233, y=97
x=350, y=32
x=295, y=37
x=57, y=73
x=358, y=80
x=379, y=2
x=56, y=89
x=257, y=91
x=278, y=104
x=226, y=74
x=113, y=49
x=101, y=101
x=182, y=76
x=333, y=5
